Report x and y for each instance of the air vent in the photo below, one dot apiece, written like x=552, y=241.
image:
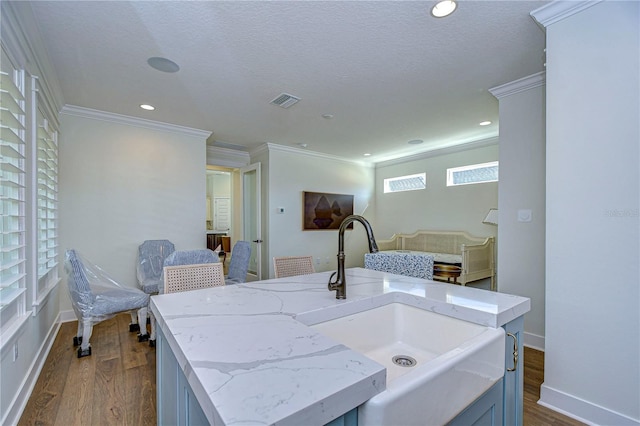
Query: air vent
x=285, y=100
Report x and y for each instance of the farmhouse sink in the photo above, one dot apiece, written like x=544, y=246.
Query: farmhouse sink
x=436, y=365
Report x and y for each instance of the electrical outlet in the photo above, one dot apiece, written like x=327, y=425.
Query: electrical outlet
x=317, y=260
x=15, y=351
x=326, y=260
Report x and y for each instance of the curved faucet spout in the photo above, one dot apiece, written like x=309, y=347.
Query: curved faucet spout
x=340, y=283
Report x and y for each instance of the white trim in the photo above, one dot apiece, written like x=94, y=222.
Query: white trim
x=520, y=85
x=67, y=316
x=275, y=147
x=227, y=157
x=42, y=300
x=556, y=11
x=534, y=341
x=12, y=332
x=18, y=404
x=581, y=410
x=132, y=121
x=441, y=151
x=30, y=51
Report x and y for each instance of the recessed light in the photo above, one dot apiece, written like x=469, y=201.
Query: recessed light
x=163, y=64
x=147, y=107
x=443, y=8
x=367, y=154
x=302, y=145
x=415, y=142
x=484, y=123
x=327, y=116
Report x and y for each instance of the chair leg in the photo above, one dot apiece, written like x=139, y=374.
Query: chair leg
x=134, y=325
x=77, y=339
x=152, y=338
x=142, y=320
x=85, y=347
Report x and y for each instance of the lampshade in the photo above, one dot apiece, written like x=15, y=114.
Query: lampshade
x=492, y=217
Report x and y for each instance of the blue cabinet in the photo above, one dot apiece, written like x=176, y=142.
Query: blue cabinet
x=514, y=372
x=176, y=403
x=485, y=411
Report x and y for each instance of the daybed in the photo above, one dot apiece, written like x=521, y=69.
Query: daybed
x=475, y=255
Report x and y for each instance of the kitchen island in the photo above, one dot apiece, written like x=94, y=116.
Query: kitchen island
x=247, y=355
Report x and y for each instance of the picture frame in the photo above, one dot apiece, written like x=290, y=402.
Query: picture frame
x=323, y=211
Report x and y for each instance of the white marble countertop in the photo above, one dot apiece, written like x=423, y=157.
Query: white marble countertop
x=250, y=357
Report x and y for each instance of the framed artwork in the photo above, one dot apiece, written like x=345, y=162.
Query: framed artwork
x=322, y=211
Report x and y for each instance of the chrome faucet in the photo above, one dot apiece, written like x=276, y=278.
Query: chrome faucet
x=340, y=284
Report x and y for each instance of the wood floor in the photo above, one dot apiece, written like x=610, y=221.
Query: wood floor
x=117, y=384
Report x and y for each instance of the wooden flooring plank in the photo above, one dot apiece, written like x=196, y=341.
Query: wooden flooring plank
x=43, y=406
x=132, y=352
x=535, y=414
x=76, y=405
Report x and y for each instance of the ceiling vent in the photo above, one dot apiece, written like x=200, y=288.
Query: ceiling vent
x=285, y=100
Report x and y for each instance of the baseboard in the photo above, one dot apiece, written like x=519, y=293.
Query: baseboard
x=534, y=341
x=67, y=316
x=29, y=382
x=582, y=410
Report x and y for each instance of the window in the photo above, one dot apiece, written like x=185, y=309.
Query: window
x=47, y=205
x=406, y=183
x=476, y=173
x=13, y=194
x=28, y=197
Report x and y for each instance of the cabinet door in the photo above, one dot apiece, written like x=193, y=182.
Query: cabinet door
x=514, y=372
x=485, y=411
x=166, y=382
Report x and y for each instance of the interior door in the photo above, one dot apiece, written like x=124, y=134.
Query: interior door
x=251, y=217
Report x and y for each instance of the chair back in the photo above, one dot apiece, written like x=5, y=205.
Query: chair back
x=191, y=257
x=151, y=256
x=288, y=266
x=192, y=277
x=239, y=264
x=77, y=280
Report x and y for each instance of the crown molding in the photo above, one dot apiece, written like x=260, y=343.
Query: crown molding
x=441, y=151
x=21, y=38
x=282, y=148
x=520, y=85
x=227, y=157
x=132, y=121
x=556, y=11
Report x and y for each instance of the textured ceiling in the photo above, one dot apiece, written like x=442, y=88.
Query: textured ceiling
x=387, y=71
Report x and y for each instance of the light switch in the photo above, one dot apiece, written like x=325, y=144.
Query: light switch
x=524, y=215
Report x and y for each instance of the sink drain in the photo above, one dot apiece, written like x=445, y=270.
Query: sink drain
x=404, y=361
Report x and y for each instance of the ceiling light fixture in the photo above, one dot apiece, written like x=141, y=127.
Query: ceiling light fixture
x=443, y=8
x=415, y=142
x=327, y=116
x=367, y=154
x=163, y=64
x=484, y=123
x=147, y=107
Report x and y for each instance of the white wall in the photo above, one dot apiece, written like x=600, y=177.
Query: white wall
x=290, y=172
x=521, y=245
x=438, y=207
x=121, y=184
x=592, y=359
